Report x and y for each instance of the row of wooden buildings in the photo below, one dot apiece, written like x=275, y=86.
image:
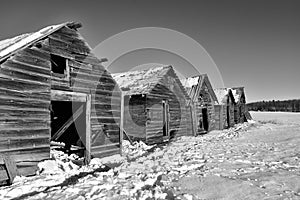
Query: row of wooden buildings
x=158, y=106
x=53, y=88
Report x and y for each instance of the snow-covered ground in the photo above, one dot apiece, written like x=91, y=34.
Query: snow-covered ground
x=250, y=161
x=279, y=117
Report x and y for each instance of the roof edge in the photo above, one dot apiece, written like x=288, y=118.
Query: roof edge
x=34, y=37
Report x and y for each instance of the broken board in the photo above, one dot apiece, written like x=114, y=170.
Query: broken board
x=11, y=168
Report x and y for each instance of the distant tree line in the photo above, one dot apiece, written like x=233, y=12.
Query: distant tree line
x=285, y=106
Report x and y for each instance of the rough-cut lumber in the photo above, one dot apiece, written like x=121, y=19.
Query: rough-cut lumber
x=87, y=152
x=11, y=168
x=57, y=95
x=122, y=122
x=30, y=64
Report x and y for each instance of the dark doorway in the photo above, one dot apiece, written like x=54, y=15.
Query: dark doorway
x=165, y=118
x=68, y=123
x=205, y=119
x=228, y=116
x=236, y=115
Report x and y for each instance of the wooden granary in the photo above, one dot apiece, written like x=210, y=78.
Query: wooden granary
x=241, y=113
x=224, y=110
x=155, y=105
x=52, y=87
x=203, y=99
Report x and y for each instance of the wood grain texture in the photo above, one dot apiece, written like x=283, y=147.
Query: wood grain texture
x=11, y=168
x=26, y=82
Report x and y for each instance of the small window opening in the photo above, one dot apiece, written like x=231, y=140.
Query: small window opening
x=58, y=65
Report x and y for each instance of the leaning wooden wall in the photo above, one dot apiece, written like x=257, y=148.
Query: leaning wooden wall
x=25, y=97
x=87, y=75
x=24, y=110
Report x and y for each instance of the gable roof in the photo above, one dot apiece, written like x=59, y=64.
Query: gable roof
x=12, y=45
x=222, y=95
x=143, y=81
x=193, y=86
x=238, y=93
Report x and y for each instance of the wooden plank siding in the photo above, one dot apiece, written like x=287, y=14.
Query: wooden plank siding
x=135, y=117
x=203, y=100
x=206, y=101
x=87, y=75
x=227, y=108
x=239, y=113
x=24, y=105
x=145, y=116
x=179, y=113
x=240, y=105
x=220, y=117
x=26, y=82
x=230, y=110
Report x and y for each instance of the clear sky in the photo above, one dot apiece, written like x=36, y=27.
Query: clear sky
x=254, y=43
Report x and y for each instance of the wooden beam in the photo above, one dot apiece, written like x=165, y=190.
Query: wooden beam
x=67, y=124
x=124, y=132
x=60, y=95
x=121, y=122
x=87, y=153
x=58, y=144
x=11, y=168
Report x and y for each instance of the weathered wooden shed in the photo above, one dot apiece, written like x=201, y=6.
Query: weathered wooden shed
x=52, y=86
x=203, y=99
x=241, y=113
x=224, y=110
x=155, y=105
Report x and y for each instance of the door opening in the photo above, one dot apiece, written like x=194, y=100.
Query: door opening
x=166, y=133
x=205, y=119
x=228, y=116
x=68, y=125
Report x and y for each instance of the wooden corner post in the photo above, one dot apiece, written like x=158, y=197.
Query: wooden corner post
x=121, y=123
x=87, y=153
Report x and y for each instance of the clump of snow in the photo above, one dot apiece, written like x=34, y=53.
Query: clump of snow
x=251, y=121
x=107, y=160
x=60, y=163
x=49, y=167
x=59, y=155
x=135, y=149
x=236, y=94
x=190, y=82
